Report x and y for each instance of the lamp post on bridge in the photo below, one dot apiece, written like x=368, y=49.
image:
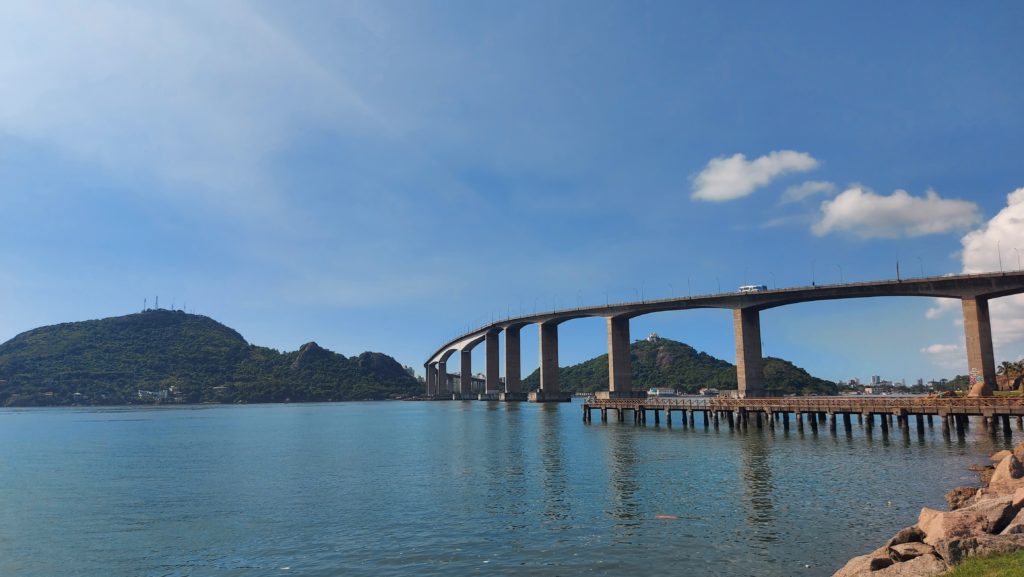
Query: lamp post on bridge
x=840, y=267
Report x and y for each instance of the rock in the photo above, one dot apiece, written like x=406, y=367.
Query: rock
x=1000, y=455
x=989, y=516
x=1007, y=469
x=865, y=564
x=1016, y=525
x=1018, y=452
x=906, y=535
x=960, y=497
x=954, y=551
x=1018, y=498
x=928, y=565
x=908, y=551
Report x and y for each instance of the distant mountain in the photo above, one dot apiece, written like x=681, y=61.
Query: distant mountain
x=171, y=355
x=667, y=363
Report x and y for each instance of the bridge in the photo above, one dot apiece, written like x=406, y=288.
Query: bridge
x=973, y=290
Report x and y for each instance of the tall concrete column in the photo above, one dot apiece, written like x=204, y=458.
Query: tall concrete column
x=981, y=364
x=620, y=366
x=749, y=364
x=548, y=358
x=431, y=378
x=442, y=378
x=466, y=373
x=513, y=365
x=493, y=382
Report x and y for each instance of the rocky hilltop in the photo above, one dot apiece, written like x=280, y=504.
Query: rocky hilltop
x=170, y=356
x=981, y=521
x=662, y=362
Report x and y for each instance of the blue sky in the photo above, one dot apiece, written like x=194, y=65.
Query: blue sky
x=381, y=175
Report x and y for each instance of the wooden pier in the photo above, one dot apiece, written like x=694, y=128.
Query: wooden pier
x=814, y=412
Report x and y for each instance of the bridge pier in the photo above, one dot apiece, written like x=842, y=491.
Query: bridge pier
x=430, y=377
x=620, y=365
x=549, y=387
x=492, y=380
x=513, y=368
x=465, y=374
x=442, y=379
x=749, y=363
x=981, y=364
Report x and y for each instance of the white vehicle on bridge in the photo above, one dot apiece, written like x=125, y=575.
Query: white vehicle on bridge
x=752, y=288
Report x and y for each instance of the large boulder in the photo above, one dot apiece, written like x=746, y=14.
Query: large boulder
x=866, y=564
x=907, y=551
x=1018, y=452
x=1016, y=525
x=1009, y=468
x=1000, y=455
x=906, y=535
x=927, y=565
x=984, y=517
x=954, y=551
x=1007, y=477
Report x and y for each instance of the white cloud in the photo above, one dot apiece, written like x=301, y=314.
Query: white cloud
x=942, y=306
x=806, y=189
x=948, y=357
x=729, y=178
x=192, y=93
x=1001, y=238
x=862, y=213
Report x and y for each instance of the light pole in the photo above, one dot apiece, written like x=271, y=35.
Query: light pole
x=1018, y=257
x=689, y=291
x=999, y=253
x=775, y=285
x=921, y=264
x=719, y=283
x=813, y=283
x=840, y=267
x=578, y=298
x=671, y=290
x=636, y=293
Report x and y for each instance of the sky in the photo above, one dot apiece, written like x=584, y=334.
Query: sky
x=382, y=175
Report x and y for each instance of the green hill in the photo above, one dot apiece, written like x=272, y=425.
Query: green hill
x=668, y=363
x=174, y=356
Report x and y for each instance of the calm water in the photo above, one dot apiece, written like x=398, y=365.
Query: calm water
x=406, y=488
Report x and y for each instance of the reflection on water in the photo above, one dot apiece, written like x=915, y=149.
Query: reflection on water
x=557, y=506
x=621, y=466
x=756, y=471
x=432, y=489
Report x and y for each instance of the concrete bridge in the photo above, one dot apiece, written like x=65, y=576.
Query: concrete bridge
x=974, y=292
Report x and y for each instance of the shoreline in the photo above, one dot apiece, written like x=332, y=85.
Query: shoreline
x=981, y=521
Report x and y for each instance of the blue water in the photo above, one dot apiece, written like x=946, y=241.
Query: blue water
x=448, y=488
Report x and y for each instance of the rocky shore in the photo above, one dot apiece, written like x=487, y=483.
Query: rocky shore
x=981, y=521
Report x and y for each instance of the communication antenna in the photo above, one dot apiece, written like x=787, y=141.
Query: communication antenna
x=184, y=307
x=172, y=303
x=157, y=305
x=144, y=305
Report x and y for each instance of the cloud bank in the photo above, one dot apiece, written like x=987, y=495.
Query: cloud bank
x=862, y=213
x=996, y=244
x=729, y=178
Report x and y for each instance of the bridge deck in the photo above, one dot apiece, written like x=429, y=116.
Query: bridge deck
x=986, y=406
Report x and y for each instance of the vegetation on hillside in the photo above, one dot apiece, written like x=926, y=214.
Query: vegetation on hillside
x=667, y=363
x=174, y=356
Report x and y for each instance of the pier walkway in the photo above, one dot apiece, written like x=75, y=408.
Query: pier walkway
x=995, y=412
